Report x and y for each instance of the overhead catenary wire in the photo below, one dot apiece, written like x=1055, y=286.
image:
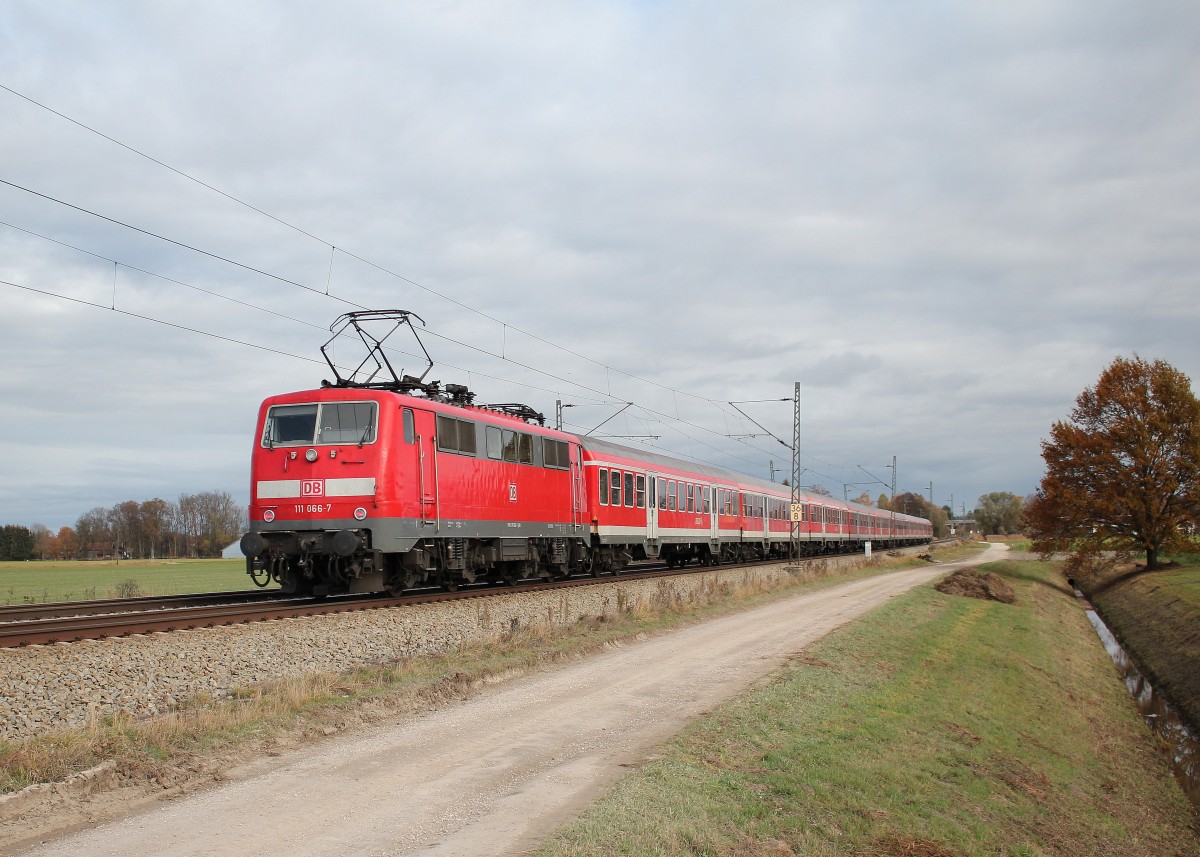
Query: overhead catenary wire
x=601, y=393
x=163, y=322
x=334, y=249
x=606, y=396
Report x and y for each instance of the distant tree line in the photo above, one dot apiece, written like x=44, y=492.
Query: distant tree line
x=16, y=542
x=198, y=525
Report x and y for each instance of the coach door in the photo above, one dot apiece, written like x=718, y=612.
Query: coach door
x=654, y=486
x=714, y=514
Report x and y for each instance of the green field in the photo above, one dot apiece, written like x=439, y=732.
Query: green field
x=41, y=582
x=937, y=726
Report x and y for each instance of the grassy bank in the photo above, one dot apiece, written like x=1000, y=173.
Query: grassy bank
x=41, y=582
x=1156, y=616
x=199, y=737
x=936, y=726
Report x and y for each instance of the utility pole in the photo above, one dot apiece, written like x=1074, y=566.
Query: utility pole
x=795, y=510
x=893, y=503
x=771, y=464
x=931, y=493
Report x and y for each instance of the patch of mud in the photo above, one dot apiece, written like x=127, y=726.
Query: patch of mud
x=971, y=584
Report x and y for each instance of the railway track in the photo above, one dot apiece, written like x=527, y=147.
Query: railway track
x=68, y=622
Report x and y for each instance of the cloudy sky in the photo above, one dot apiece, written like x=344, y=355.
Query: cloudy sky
x=942, y=219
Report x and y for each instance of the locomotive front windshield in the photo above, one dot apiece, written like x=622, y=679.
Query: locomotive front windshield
x=332, y=422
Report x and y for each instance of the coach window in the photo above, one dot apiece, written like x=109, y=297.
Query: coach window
x=671, y=495
x=603, y=487
x=707, y=499
x=410, y=431
x=662, y=493
x=629, y=490
x=641, y=491
x=616, y=487
x=493, y=442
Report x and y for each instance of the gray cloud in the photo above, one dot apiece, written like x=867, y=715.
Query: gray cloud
x=942, y=222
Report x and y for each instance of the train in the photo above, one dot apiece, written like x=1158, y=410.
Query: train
x=398, y=484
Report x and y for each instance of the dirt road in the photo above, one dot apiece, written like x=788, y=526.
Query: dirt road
x=496, y=774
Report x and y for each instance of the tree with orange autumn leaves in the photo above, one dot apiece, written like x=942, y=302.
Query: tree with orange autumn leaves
x=1123, y=473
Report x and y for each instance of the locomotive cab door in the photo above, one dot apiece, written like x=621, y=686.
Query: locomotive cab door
x=427, y=488
x=577, y=504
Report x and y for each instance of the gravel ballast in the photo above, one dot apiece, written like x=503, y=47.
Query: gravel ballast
x=60, y=686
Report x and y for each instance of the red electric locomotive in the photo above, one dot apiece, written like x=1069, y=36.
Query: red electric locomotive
x=382, y=481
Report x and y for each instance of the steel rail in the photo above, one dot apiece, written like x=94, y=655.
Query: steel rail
x=56, y=609
x=93, y=626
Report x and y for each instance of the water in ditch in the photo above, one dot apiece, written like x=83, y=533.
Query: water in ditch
x=1178, y=742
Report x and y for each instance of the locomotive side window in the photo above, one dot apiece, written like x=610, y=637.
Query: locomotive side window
x=510, y=446
x=347, y=422
x=288, y=425
x=629, y=489
x=555, y=453
x=641, y=491
x=525, y=448
x=615, y=485
x=603, y=487
x=455, y=435
x=491, y=439
x=410, y=430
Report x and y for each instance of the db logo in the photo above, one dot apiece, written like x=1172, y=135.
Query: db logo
x=312, y=487
x=512, y=492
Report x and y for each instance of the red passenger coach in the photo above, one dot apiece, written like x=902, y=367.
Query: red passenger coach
x=373, y=485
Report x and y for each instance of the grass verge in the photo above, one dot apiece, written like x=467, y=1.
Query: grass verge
x=202, y=737
x=41, y=582
x=934, y=727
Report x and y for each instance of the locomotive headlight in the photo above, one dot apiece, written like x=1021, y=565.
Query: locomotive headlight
x=269, y=515
x=360, y=514
x=311, y=455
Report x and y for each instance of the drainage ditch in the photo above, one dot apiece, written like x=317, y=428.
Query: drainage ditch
x=1174, y=737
